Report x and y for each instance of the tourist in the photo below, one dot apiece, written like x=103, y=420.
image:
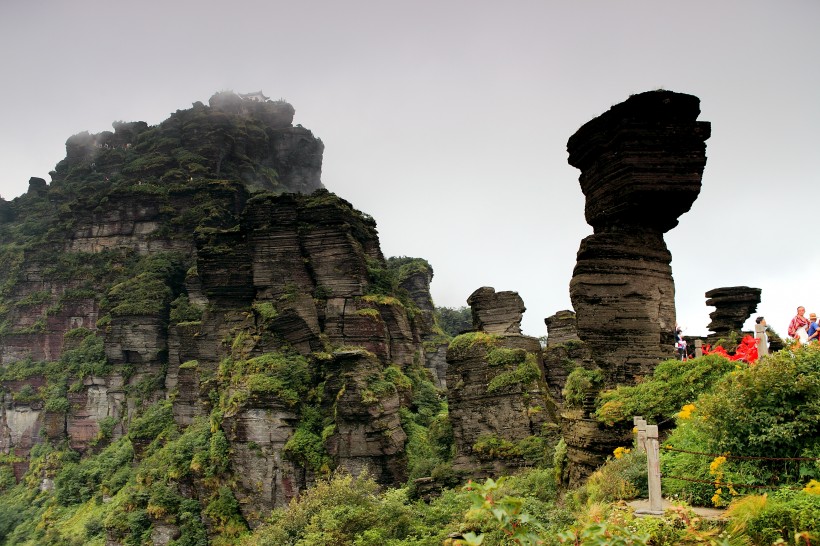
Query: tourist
x=814, y=328
x=761, y=336
x=798, y=327
x=680, y=343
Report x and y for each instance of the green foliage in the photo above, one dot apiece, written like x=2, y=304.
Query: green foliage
x=533, y=449
x=462, y=345
x=182, y=310
x=454, y=321
x=490, y=446
x=156, y=419
x=524, y=373
x=88, y=359
x=307, y=448
x=767, y=410
x=580, y=382
x=26, y=394
x=673, y=384
x=149, y=291
x=347, y=510
x=622, y=478
x=507, y=511
x=285, y=375
x=79, y=481
x=785, y=515
x=265, y=310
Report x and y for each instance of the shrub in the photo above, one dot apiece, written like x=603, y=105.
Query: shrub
x=579, y=383
x=766, y=410
x=673, y=384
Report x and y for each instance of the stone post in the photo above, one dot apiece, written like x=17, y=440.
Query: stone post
x=640, y=424
x=762, y=340
x=698, y=348
x=653, y=464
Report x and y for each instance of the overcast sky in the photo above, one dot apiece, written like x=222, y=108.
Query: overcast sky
x=447, y=121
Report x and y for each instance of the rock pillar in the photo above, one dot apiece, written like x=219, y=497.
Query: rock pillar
x=641, y=165
x=733, y=305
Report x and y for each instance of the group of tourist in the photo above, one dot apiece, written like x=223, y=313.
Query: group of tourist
x=802, y=329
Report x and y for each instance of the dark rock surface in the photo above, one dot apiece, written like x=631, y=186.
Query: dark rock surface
x=641, y=164
x=493, y=418
x=496, y=312
x=187, y=250
x=561, y=328
x=733, y=306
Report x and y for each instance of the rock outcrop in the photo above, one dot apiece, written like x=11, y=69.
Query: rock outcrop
x=496, y=312
x=733, y=305
x=199, y=264
x=641, y=164
x=561, y=328
x=499, y=406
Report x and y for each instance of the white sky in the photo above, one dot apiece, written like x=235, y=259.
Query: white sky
x=447, y=121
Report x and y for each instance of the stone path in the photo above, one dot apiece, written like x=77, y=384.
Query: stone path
x=702, y=511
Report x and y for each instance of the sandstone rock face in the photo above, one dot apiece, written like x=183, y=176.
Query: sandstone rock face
x=368, y=434
x=733, y=305
x=496, y=312
x=641, y=164
x=266, y=478
x=498, y=399
x=561, y=328
x=174, y=263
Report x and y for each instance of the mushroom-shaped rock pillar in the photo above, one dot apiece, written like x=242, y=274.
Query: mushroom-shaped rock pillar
x=641, y=164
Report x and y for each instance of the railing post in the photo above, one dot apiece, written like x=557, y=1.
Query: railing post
x=653, y=464
x=640, y=441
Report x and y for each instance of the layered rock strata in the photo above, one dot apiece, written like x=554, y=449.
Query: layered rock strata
x=498, y=401
x=641, y=164
x=166, y=263
x=733, y=306
x=496, y=312
x=561, y=328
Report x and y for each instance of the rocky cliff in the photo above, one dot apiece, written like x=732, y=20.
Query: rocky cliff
x=188, y=293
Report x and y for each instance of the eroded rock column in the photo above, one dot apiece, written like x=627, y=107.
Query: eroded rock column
x=733, y=305
x=500, y=409
x=641, y=164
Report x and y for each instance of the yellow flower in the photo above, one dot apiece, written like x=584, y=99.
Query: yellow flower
x=812, y=487
x=686, y=411
x=621, y=451
x=714, y=467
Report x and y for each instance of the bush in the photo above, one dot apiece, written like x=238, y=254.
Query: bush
x=580, y=382
x=766, y=410
x=673, y=384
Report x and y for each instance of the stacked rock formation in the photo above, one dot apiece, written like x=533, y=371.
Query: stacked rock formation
x=561, y=328
x=733, y=305
x=496, y=312
x=497, y=396
x=641, y=164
